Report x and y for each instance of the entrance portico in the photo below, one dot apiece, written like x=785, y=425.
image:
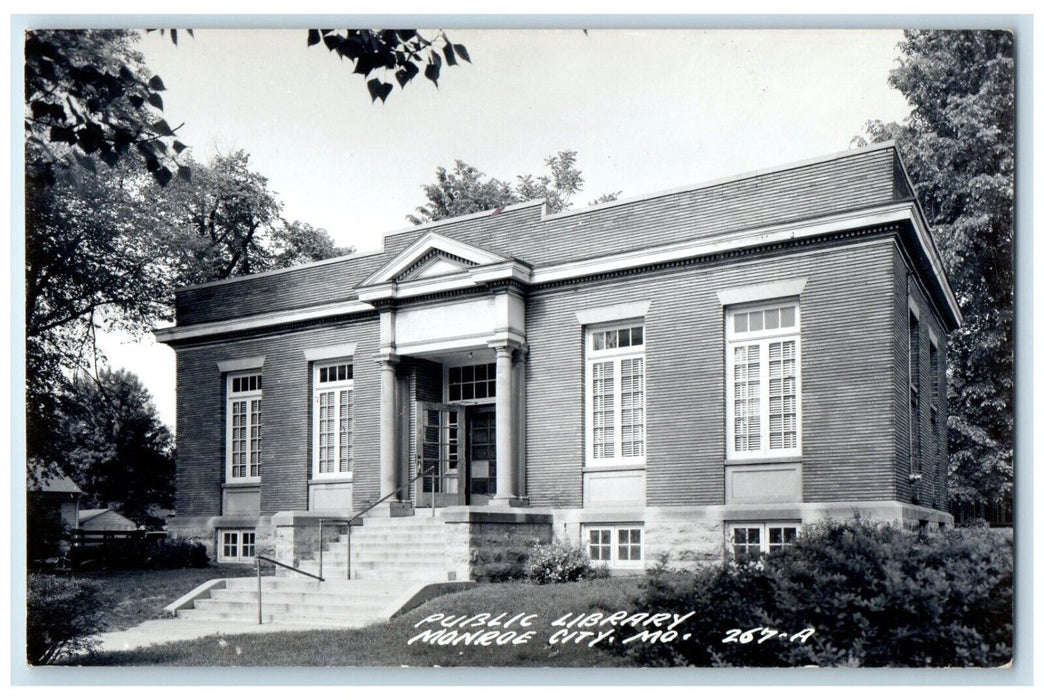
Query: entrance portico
x=466, y=431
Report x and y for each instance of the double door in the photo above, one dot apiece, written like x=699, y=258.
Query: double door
x=456, y=452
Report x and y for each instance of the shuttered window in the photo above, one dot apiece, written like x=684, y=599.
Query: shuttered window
x=243, y=450
x=616, y=394
x=763, y=380
x=333, y=415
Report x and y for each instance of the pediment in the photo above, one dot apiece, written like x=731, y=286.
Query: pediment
x=435, y=263
x=432, y=255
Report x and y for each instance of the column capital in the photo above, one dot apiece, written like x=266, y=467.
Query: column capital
x=386, y=359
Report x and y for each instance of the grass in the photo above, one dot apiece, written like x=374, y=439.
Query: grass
x=386, y=644
x=138, y=596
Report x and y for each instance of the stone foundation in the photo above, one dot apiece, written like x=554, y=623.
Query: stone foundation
x=492, y=545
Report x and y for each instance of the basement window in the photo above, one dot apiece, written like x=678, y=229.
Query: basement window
x=236, y=546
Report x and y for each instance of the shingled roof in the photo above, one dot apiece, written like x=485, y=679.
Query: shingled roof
x=849, y=181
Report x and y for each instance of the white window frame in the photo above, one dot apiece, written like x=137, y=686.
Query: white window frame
x=231, y=398
x=763, y=338
x=614, y=529
x=335, y=387
x=240, y=556
x=764, y=529
x=616, y=356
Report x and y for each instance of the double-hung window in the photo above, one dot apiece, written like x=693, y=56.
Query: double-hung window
x=243, y=410
x=763, y=380
x=333, y=420
x=616, y=394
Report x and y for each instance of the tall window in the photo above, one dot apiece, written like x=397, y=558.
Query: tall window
x=332, y=419
x=934, y=398
x=915, y=402
x=763, y=385
x=616, y=394
x=243, y=457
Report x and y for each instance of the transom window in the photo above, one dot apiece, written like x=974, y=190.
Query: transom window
x=763, y=384
x=333, y=418
x=236, y=545
x=243, y=451
x=616, y=395
x=619, y=546
x=751, y=540
x=469, y=382
x=611, y=338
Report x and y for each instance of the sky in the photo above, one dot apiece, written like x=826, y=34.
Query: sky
x=646, y=111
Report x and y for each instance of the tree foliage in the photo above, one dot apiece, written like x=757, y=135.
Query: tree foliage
x=467, y=190
x=89, y=96
x=959, y=147
x=405, y=53
x=226, y=221
x=114, y=446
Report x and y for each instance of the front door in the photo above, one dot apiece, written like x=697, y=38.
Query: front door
x=440, y=454
x=481, y=451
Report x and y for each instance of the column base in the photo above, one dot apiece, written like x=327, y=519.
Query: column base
x=510, y=502
x=390, y=509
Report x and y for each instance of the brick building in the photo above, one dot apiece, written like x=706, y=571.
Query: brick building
x=691, y=372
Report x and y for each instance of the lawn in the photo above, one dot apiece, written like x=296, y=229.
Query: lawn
x=141, y=595
x=387, y=644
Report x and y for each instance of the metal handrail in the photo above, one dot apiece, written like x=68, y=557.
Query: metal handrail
x=364, y=511
x=257, y=564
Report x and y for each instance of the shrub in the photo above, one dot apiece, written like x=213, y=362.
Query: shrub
x=561, y=562
x=876, y=595
x=176, y=553
x=63, y=616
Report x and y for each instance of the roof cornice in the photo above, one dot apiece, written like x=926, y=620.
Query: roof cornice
x=497, y=273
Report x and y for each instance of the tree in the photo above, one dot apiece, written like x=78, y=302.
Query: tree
x=226, y=221
x=959, y=147
x=115, y=447
x=89, y=95
x=466, y=190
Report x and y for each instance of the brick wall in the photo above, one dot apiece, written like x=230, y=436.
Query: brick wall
x=286, y=416
x=933, y=489
x=846, y=309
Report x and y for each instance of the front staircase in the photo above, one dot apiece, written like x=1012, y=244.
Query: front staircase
x=298, y=600
x=396, y=564
x=401, y=549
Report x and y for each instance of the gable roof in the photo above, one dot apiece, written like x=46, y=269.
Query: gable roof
x=428, y=247
x=58, y=482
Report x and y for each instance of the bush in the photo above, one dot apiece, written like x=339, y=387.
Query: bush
x=561, y=562
x=176, y=553
x=63, y=616
x=876, y=596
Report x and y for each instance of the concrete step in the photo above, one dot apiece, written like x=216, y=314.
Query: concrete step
x=361, y=602
x=301, y=611
x=268, y=617
x=408, y=555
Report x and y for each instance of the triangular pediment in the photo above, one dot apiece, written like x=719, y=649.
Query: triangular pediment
x=432, y=255
x=435, y=263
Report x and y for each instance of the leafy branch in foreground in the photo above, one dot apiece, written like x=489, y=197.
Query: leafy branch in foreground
x=404, y=52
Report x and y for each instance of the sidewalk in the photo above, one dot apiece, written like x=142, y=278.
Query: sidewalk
x=179, y=629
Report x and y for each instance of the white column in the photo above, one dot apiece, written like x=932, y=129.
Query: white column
x=389, y=444
x=507, y=477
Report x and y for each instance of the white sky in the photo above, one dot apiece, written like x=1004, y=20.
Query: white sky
x=646, y=110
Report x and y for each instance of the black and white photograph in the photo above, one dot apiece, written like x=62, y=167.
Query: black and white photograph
x=468, y=346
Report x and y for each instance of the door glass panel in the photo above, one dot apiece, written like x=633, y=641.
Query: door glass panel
x=482, y=452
